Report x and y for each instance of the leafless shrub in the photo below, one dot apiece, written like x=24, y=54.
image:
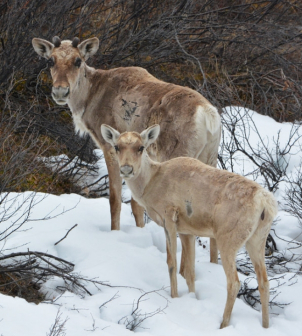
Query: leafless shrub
x=271, y=160
x=283, y=267
x=58, y=328
x=93, y=328
x=114, y=297
x=82, y=174
x=21, y=148
x=293, y=196
x=251, y=294
x=15, y=209
x=23, y=273
x=137, y=317
x=31, y=269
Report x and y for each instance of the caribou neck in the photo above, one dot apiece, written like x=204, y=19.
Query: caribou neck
x=79, y=95
x=139, y=183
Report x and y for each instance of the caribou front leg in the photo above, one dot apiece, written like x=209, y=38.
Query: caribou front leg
x=115, y=187
x=138, y=213
x=213, y=251
x=171, y=241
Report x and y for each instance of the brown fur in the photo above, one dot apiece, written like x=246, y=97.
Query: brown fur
x=131, y=99
x=222, y=205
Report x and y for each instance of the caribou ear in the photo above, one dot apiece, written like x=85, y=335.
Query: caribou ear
x=150, y=135
x=89, y=47
x=110, y=134
x=42, y=47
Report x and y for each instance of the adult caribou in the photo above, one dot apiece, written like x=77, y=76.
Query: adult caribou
x=131, y=99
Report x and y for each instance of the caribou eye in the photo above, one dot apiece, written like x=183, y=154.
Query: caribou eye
x=51, y=62
x=116, y=148
x=78, y=62
x=141, y=149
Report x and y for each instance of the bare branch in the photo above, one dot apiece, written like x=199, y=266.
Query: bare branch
x=66, y=234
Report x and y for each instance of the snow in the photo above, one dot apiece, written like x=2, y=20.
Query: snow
x=132, y=262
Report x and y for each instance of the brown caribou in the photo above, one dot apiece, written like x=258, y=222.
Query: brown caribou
x=187, y=197
x=127, y=99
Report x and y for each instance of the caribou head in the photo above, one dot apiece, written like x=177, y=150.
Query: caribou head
x=130, y=148
x=67, y=63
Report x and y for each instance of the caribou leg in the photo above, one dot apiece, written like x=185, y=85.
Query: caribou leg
x=115, y=187
x=256, y=250
x=138, y=212
x=171, y=241
x=187, y=267
x=233, y=283
x=213, y=251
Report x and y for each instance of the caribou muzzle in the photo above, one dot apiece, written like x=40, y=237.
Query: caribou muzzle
x=126, y=171
x=60, y=94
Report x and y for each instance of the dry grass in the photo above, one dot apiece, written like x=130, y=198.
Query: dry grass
x=13, y=285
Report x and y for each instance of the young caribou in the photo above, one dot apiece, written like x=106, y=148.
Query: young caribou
x=130, y=99
x=185, y=196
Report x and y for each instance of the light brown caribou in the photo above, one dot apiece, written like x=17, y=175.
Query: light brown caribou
x=130, y=99
x=185, y=196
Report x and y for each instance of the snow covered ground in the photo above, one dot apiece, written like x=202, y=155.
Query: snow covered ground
x=132, y=263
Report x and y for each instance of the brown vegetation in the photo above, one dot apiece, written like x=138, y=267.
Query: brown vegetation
x=14, y=285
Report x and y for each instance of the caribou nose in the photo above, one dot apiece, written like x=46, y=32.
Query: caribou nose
x=126, y=170
x=60, y=92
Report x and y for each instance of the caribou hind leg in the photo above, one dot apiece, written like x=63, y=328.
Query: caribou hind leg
x=187, y=267
x=233, y=283
x=256, y=250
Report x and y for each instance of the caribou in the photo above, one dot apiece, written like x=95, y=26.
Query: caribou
x=188, y=197
x=130, y=98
